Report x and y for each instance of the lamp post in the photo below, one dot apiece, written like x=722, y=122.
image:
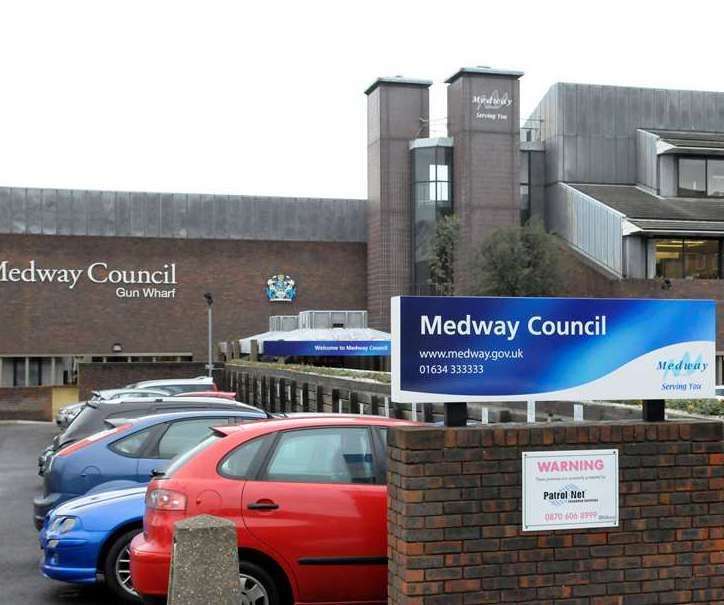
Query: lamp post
x=210, y=301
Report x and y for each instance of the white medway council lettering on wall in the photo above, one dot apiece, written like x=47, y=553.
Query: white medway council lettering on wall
x=570, y=489
x=125, y=280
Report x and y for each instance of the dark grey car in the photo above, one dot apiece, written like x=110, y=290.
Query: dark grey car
x=94, y=414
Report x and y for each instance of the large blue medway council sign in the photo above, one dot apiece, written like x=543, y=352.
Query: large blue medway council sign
x=493, y=349
x=327, y=348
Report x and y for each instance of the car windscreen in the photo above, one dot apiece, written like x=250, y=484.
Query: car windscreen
x=181, y=459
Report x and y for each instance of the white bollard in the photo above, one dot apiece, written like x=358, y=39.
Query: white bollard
x=387, y=407
x=578, y=412
x=531, y=411
x=414, y=412
x=484, y=415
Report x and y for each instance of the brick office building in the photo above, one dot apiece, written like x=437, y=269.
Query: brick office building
x=113, y=276
x=631, y=179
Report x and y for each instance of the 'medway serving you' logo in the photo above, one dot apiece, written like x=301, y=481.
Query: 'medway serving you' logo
x=98, y=273
x=489, y=107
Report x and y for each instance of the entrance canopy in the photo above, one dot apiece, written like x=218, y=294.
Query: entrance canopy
x=325, y=342
x=320, y=334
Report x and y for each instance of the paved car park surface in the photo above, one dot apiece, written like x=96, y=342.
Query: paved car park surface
x=20, y=579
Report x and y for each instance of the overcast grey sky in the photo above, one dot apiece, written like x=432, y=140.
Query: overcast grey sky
x=267, y=97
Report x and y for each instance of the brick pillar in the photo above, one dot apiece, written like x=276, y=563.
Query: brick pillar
x=484, y=122
x=454, y=518
x=397, y=112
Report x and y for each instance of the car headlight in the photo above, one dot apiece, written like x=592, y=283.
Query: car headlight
x=62, y=525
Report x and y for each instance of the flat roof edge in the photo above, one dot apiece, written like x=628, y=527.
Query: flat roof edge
x=398, y=81
x=484, y=71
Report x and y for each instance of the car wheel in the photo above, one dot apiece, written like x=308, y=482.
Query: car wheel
x=117, y=568
x=257, y=586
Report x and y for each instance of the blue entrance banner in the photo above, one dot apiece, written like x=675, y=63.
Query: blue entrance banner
x=494, y=349
x=327, y=348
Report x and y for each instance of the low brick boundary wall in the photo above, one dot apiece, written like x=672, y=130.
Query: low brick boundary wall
x=454, y=518
x=26, y=403
x=114, y=375
x=278, y=390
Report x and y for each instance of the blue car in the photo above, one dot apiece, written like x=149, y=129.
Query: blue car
x=127, y=453
x=86, y=539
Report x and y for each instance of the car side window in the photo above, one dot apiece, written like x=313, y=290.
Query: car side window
x=184, y=434
x=133, y=444
x=329, y=455
x=238, y=462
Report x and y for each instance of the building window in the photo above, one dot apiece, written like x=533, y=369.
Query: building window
x=715, y=178
x=692, y=177
x=33, y=372
x=688, y=258
x=432, y=199
x=701, y=177
x=524, y=187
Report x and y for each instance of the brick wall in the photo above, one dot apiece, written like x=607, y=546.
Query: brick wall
x=49, y=318
x=454, y=518
x=26, y=403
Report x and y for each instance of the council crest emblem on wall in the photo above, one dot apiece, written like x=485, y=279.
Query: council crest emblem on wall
x=281, y=288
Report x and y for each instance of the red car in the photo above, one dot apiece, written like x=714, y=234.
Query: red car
x=307, y=496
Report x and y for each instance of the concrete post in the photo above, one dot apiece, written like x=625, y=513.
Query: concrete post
x=204, y=563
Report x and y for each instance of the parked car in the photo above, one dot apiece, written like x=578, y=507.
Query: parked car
x=125, y=453
x=67, y=414
x=94, y=413
x=230, y=395
x=125, y=392
x=178, y=385
x=307, y=496
x=86, y=539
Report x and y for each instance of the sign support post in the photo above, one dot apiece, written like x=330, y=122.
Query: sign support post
x=654, y=410
x=456, y=413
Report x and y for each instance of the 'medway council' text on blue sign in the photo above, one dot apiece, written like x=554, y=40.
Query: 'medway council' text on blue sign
x=483, y=349
x=327, y=348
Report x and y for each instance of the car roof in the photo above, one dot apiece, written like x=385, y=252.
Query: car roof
x=160, y=383
x=214, y=394
x=160, y=418
x=301, y=421
x=160, y=391
x=168, y=399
